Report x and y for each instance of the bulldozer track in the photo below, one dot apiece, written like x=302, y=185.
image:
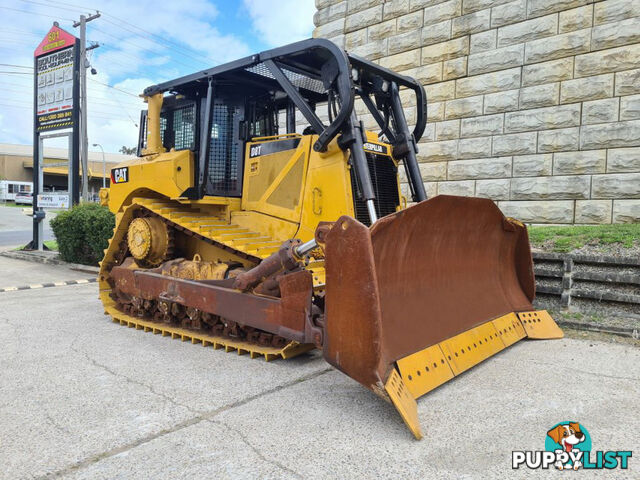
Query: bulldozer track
x=292, y=349
x=211, y=229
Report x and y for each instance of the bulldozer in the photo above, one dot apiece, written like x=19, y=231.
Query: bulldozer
x=262, y=217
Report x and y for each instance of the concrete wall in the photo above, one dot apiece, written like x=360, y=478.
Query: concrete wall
x=533, y=103
x=10, y=169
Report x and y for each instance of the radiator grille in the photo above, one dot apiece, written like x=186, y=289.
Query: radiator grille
x=385, y=186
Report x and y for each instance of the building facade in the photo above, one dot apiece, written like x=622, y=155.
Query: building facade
x=16, y=164
x=532, y=103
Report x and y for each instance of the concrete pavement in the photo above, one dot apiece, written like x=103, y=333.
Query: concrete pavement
x=84, y=398
x=16, y=228
x=15, y=273
x=19, y=238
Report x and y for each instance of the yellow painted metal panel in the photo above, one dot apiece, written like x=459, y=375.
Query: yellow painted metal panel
x=268, y=186
x=229, y=234
x=425, y=370
x=327, y=192
x=222, y=229
x=471, y=347
x=319, y=275
x=261, y=173
x=457, y=354
x=509, y=329
x=404, y=402
x=169, y=174
x=288, y=193
x=269, y=226
x=539, y=324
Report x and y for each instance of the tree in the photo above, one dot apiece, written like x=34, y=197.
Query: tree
x=128, y=151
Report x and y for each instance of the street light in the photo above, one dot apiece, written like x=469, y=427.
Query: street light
x=104, y=166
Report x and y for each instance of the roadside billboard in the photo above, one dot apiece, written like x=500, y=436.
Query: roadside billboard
x=56, y=106
x=57, y=81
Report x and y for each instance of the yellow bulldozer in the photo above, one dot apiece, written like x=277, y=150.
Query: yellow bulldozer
x=237, y=232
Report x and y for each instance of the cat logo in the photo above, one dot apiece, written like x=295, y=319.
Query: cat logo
x=120, y=175
x=375, y=148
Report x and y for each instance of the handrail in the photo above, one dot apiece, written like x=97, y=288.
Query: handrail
x=276, y=137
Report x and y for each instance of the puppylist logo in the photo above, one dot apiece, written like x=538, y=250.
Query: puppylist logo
x=568, y=447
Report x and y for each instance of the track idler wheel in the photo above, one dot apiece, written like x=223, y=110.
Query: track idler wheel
x=149, y=241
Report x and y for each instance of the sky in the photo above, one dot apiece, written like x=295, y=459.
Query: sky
x=142, y=42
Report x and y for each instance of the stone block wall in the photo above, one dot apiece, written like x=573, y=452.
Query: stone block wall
x=532, y=103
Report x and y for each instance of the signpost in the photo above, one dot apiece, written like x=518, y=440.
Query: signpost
x=56, y=107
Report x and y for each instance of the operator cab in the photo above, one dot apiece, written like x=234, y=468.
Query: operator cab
x=214, y=113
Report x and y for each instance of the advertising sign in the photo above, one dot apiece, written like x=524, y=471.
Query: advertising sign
x=56, y=85
x=55, y=200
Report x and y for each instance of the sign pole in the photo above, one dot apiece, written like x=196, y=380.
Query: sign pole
x=36, y=161
x=39, y=214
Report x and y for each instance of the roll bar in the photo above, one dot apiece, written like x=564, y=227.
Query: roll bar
x=316, y=71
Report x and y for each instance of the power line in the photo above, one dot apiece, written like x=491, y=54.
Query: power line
x=29, y=105
x=14, y=42
x=164, y=42
x=90, y=87
x=118, y=89
x=105, y=102
x=115, y=88
x=12, y=65
x=48, y=5
x=101, y=61
x=3, y=81
x=122, y=53
x=177, y=48
x=16, y=30
x=76, y=6
x=136, y=29
x=140, y=47
x=35, y=13
x=125, y=111
x=22, y=33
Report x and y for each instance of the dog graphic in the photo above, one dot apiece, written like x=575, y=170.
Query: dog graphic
x=568, y=436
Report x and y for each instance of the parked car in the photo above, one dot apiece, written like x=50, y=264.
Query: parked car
x=24, y=198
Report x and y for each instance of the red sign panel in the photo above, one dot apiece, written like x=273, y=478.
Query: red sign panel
x=56, y=39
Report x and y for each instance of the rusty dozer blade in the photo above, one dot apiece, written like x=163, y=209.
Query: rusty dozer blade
x=425, y=294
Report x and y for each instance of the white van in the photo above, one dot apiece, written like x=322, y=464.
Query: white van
x=10, y=188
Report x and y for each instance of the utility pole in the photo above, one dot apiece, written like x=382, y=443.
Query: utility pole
x=84, y=64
